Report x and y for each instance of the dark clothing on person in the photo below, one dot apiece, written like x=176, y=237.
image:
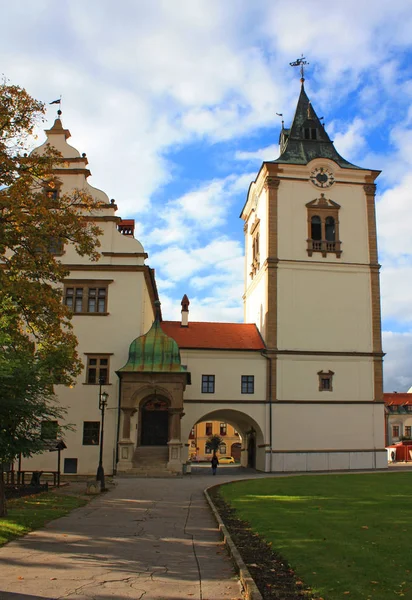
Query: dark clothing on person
x=214, y=462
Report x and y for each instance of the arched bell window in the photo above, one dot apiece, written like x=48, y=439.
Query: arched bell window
x=316, y=228
x=330, y=230
x=323, y=227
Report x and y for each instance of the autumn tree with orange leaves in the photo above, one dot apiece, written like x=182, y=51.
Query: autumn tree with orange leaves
x=35, y=327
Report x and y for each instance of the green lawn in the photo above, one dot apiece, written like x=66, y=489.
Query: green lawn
x=32, y=512
x=347, y=536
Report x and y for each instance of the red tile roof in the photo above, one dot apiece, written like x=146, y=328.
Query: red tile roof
x=397, y=399
x=221, y=336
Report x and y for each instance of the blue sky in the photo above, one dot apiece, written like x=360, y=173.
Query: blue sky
x=175, y=102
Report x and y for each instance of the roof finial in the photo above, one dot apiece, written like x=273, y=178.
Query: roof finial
x=300, y=62
x=158, y=314
x=59, y=102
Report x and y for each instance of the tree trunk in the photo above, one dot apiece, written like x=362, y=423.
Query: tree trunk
x=3, y=507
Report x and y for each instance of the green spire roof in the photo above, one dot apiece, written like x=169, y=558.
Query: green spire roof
x=307, y=138
x=154, y=352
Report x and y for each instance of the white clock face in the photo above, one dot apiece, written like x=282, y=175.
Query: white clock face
x=322, y=177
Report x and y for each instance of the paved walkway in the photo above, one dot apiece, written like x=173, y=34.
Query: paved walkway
x=151, y=539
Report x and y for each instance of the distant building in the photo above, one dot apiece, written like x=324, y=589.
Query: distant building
x=300, y=380
x=201, y=432
x=398, y=417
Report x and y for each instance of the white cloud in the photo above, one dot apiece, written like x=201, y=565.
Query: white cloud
x=350, y=142
x=268, y=153
x=395, y=219
x=398, y=361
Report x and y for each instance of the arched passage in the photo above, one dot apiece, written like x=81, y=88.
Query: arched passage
x=252, y=451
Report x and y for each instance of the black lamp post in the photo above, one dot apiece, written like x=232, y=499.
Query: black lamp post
x=103, y=396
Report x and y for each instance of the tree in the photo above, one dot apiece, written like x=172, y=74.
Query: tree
x=39, y=349
x=213, y=443
x=27, y=399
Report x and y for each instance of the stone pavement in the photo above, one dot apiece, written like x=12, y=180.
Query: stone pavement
x=151, y=539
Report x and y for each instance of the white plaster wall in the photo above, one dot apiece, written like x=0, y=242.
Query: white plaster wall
x=228, y=367
x=294, y=194
x=297, y=378
x=328, y=427
x=256, y=302
x=255, y=289
x=324, y=308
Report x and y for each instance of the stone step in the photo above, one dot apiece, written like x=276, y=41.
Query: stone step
x=155, y=473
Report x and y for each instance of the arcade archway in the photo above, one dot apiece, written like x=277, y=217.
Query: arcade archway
x=249, y=449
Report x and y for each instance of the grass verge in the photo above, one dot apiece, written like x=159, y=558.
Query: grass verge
x=346, y=536
x=33, y=512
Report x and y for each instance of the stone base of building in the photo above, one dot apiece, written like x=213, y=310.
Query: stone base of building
x=326, y=461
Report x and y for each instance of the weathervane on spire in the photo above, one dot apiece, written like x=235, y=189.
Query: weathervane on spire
x=300, y=62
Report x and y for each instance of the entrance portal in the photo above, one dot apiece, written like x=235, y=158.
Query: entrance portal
x=155, y=422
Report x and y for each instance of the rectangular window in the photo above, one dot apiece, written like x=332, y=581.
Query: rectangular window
x=88, y=298
x=192, y=433
x=209, y=428
x=408, y=431
x=325, y=381
x=223, y=429
x=70, y=465
x=222, y=449
x=395, y=431
x=208, y=384
x=91, y=433
x=208, y=450
x=49, y=430
x=97, y=371
x=248, y=384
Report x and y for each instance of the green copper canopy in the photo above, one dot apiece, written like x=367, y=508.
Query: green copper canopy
x=154, y=352
x=307, y=138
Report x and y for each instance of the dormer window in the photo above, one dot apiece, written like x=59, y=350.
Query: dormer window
x=310, y=133
x=323, y=227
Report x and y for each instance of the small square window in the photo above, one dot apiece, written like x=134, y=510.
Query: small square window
x=208, y=384
x=91, y=433
x=70, y=465
x=248, y=384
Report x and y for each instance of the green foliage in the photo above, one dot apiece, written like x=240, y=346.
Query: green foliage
x=32, y=512
x=27, y=397
x=34, y=216
x=213, y=443
x=345, y=535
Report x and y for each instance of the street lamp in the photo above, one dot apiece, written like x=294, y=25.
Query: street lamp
x=103, y=396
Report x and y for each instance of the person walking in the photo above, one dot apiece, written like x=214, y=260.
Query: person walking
x=214, y=462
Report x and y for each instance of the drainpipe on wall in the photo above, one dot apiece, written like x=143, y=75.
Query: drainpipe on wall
x=118, y=426
x=270, y=408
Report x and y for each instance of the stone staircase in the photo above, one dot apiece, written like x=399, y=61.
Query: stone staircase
x=150, y=461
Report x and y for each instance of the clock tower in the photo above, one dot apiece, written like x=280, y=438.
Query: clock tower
x=312, y=288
